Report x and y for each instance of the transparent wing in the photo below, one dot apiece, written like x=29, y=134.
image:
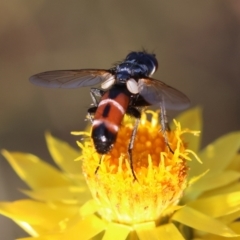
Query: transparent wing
x=155, y=92
x=70, y=78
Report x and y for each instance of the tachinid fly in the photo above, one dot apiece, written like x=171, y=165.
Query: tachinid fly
x=125, y=88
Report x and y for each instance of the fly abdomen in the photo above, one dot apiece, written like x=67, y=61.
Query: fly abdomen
x=108, y=118
x=104, y=135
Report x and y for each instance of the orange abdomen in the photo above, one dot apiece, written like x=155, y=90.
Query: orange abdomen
x=108, y=118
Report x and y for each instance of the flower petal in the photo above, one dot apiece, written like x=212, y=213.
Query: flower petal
x=35, y=172
x=89, y=208
x=145, y=230
x=36, y=216
x=166, y=231
x=218, y=155
x=68, y=195
x=235, y=163
x=191, y=119
x=64, y=155
x=44, y=237
x=85, y=229
x=218, y=206
x=227, y=219
x=202, y=222
x=32, y=230
x=211, y=182
x=235, y=226
x=116, y=231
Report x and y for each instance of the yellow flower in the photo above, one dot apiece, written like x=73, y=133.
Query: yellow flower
x=62, y=207
x=162, y=175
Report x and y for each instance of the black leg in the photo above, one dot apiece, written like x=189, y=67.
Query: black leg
x=135, y=113
x=91, y=111
x=165, y=125
x=99, y=164
x=130, y=147
x=94, y=93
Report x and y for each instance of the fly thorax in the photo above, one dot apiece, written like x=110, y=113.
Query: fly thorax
x=123, y=72
x=139, y=71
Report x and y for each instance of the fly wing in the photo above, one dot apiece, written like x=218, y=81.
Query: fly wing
x=70, y=78
x=155, y=92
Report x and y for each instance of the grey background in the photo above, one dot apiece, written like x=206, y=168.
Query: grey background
x=197, y=44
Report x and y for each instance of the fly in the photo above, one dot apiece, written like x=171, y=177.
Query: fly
x=125, y=88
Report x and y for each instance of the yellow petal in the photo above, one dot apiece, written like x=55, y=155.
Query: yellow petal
x=218, y=155
x=44, y=237
x=235, y=163
x=171, y=209
x=35, y=172
x=218, y=206
x=85, y=229
x=68, y=195
x=144, y=230
x=230, y=217
x=32, y=230
x=233, y=187
x=167, y=231
x=234, y=226
x=197, y=178
x=202, y=222
x=210, y=182
x=44, y=216
x=64, y=155
x=116, y=231
x=89, y=208
x=191, y=119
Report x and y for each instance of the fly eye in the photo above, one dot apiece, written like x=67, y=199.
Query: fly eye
x=108, y=83
x=132, y=86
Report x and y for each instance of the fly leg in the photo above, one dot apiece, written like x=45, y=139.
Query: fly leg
x=91, y=112
x=135, y=113
x=95, y=93
x=165, y=125
x=99, y=164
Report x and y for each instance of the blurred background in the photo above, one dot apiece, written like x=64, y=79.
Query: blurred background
x=197, y=44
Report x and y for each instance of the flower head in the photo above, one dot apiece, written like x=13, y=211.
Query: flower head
x=161, y=173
